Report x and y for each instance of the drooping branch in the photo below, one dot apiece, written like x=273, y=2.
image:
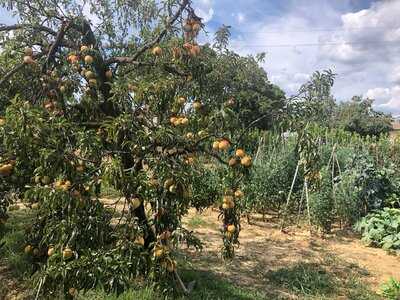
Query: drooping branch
x=154, y=41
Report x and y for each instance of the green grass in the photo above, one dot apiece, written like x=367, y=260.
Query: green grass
x=12, y=253
x=329, y=279
x=208, y=287
x=391, y=289
x=196, y=222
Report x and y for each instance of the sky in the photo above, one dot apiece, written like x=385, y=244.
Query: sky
x=357, y=39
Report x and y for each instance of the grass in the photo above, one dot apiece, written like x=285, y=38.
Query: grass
x=391, y=289
x=12, y=253
x=208, y=287
x=196, y=222
x=329, y=279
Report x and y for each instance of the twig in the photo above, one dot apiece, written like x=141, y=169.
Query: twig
x=155, y=41
x=11, y=73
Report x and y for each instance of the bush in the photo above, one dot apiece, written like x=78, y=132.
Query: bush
x=381, y=228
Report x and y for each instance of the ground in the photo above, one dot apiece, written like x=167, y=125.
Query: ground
x=264, y=251
x=269, y=264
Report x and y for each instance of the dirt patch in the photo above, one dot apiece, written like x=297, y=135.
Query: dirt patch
x=9, y=287
x=264, y=248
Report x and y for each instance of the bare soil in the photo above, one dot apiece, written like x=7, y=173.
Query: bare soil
x=264, y=248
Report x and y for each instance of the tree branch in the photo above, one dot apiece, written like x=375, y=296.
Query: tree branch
x=55, y=45
x=11, y=73
x=26, y=26
x=156, y=40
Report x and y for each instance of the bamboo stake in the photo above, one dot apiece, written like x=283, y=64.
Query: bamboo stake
x=288, y=198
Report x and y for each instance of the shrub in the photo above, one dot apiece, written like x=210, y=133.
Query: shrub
x=381, y=228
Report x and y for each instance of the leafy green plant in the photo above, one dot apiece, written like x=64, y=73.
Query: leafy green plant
x=391, y=289
x=381, y=228
x=322, y=203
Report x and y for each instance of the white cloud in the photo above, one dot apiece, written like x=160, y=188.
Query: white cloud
x=380, y=95
x=361, y=47
x=240, y=18
x=204, y=9
x=386, y=99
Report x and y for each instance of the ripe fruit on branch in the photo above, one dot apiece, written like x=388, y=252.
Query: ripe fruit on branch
x=197, y=105
x=181, y=100
x=28, y=60
x=84, y=48
x=231, y=228
x=89, y=74
x=49, y=105
x=240, y=153
x=28, y=249
x=159, y=251
x=50, y=251
x=184, y=121
x=72, y=58
x=28, y=51
x=135, y=202
x=62, y=185
x=227, y=202
x=215, y=145
x=224, y=145
x=109, y=74
x=239, y=194
x=6, y=169
x=67, y=253
x=173, y=120
x=88, y=59
x=2, y=121
x=246, y=161
x=157, y=51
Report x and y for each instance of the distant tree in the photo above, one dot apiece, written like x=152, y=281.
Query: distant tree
x=314, y=102
x=358, y=115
